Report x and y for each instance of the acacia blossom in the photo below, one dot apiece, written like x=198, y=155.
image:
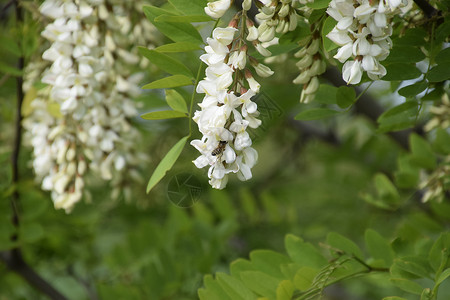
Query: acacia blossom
x=363, y=33
x=80, y=122
x=227, y=110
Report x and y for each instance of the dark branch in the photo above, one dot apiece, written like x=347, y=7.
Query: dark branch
x=15, y=262
x=369, y=107
x=426, y=7
x=13, y=258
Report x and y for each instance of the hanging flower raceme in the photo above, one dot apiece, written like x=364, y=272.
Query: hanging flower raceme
x=363, y=33
x=311, y=65
x=227, y=110
x=80, y=121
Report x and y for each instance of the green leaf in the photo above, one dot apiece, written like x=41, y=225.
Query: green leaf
x=379, y=247
x=30, y=232
x=303, y=253
x=10, y=70
x=407, y=285
x=261, y=283
x=9, y=44
x=328, y=25
x=413, y=37
x=316, y=15
x=434, y=95
x=404, y=54
x=443, y=32
x=178, y=47
x=342, y=243
x=212, y=291
x=443, y=56
x=442, y=142
x=440, y=251
x=240, y=265
x=345, y=96
x=166, y=163
x=443, y=276
x=299, y=36
x=269, y=262
x=399, y=109
x=304, y=278
x=414, y=266
x=285, y=290
x=316, y=113
x=165, y=62
x=326, y=94
x=399, y=117
x=413, y=89
x=439, y=73
x=234, y=288
x=399, y=71
x=318, y=4
x=422, y=154
x=164, y=114
x=394, y=298
x=178, y=32
x=176, y=101
x=183, y=19
x=190, y=7
x=169, y=82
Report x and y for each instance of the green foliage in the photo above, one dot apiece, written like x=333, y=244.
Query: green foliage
x=166, y=163
x=313, y=272
x=316, y=113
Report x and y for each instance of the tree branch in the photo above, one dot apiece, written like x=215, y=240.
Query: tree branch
x=368, y=106
x=429, y=10
x=15, y=262
x=13, y=258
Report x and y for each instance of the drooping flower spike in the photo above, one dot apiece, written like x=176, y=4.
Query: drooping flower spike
x=227, y=109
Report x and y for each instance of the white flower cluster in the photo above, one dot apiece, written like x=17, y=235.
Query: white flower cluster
x=441, y=114
x=311, y=65
x=274, y=17
x=225, y=114
x=81, y=120
x=363, y=31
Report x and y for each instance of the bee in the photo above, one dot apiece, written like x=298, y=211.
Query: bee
x=220, y=148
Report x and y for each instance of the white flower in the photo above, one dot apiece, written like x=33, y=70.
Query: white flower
x=352, y=72
x=218, y=8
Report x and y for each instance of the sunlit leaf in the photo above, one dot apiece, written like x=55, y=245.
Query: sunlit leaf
x=166, y=163
x=164, y=114
x=178, y=32
x=169, y=82
x=183, y=19
x=176, y=101
x=165, y=62
x=342, y=243
x=178, y=47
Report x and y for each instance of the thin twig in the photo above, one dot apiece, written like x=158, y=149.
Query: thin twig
x=13, y=258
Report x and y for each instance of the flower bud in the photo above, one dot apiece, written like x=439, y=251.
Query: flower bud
x=246, y=4
x=263, y=70
x=305, y=62
x=302, y=78
x=284, y=10
x=312, y=86
x=252, y=33
x=263, y=51
x=313, y=47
